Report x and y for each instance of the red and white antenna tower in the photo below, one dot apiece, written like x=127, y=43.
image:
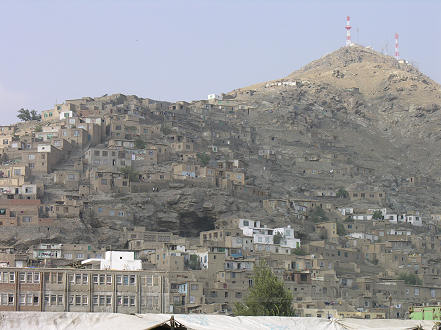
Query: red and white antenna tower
x=397, y=52
x=348, y=31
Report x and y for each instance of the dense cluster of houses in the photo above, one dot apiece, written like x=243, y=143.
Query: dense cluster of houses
x=357, y=262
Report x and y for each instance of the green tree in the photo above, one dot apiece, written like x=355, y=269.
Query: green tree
x=140, y=144
x=342, y=193
x=299, y=251
x=203, y=158
x=267, y=297
x=341, y=231
x=26, y=115
x=193, y=262
x=317, y=214
x=277, y=238
x=165, y=130
x=377, y=215
x=38, y=128
x=410, y=278
x=130, y=173
x=349, y=219
x=4, y=157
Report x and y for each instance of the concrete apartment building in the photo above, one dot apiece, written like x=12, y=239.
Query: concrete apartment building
x=115, y=284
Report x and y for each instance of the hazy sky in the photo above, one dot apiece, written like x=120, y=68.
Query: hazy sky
x=183, y=50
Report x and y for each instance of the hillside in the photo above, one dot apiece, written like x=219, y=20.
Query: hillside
x=353, y=119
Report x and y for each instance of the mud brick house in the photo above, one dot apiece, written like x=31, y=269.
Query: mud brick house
x=70, y=179
x=43, y=159
x=125, y=143
x=108, y=158
x=18, y=212
x=108, y=182
x=368, y=195
x=78, y=137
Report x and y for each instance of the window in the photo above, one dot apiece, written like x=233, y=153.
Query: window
x=126, y=280
x=71, y=299
x=132, y=301
x=194, y=287
x=95, y=278
x=85, y=279
x=119, y=300
x=108, y=279
x=95, y=299
x=80, y=256
x=85, y=299
x=417, y=291
x=111, y=213
x=10, y=299
x=76, y=133
x=11, y=277
x=132, y=279
x=77, y=300
x=21, y=277
x=103, y=181
x=60, y=299
x=53, y=299
x=102, y=278
x=100, y=210
x=22, y=299
x=102, y=300
x=246, y=223
x=28, y=299
x=68, y=256
x=118, y=279
x=77, y=278
x=108, y=300
x=17, y=171
x=31, y=157
x=27, y=219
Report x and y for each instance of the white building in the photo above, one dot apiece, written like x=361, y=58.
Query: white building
x=263, y=235
x=211, y=97
x=47, y=251
x=346, y=210
x=414, y=220
x=44, y=148
x=66, y=114
x=288, y=239
x=370, y=237
x=391, y=217
x=362, y=217
x=115, y=260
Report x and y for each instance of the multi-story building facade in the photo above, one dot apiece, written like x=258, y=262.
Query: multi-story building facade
x=90, y=290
